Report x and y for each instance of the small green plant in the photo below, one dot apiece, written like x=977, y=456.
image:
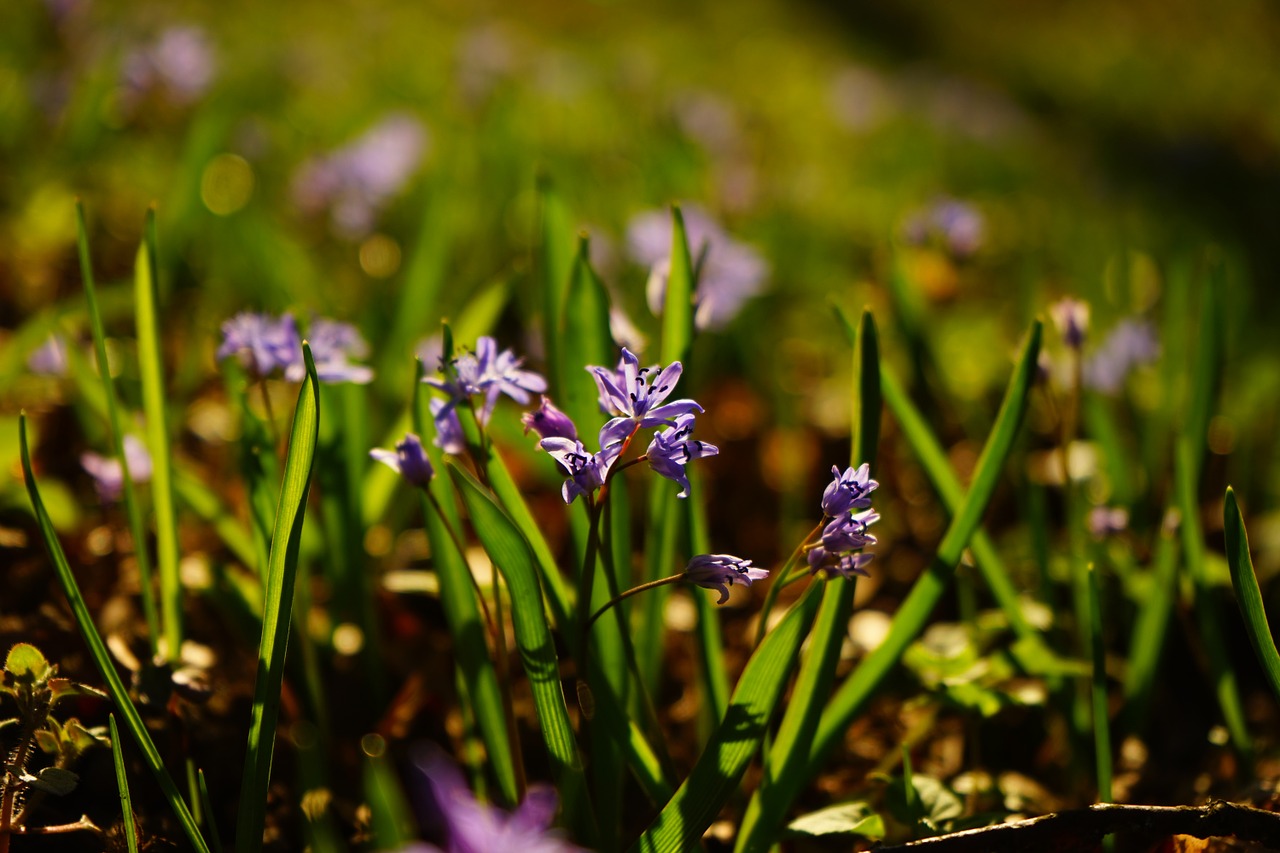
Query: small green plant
x=33, y=684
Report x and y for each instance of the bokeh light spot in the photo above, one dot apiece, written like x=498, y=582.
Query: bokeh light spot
x=380, y=256
x=227, y=184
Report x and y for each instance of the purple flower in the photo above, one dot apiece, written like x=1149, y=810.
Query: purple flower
x=845, y=565
x=473, y=827
x=1107, y=521
x=549, y=422
x=849, y=532
x=588, y=471
x=50, y=358
x=850, y=490
x=1071, y=316
x=108, y=473
x=672, y=448
x=180, y=60
x=489, y=373
x=1130, y=344
x=729, y=272
x=956, y=224
x=331, y=344
x=409, y=460
x=262, y=342
x=721, y=571
x=449, y=437
x=637, y=393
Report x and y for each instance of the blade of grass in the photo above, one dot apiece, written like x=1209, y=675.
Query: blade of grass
x=788, y=755
x=853, y=695
x=151, y=366
x=282, y=573
x=1101, y=718
x=132, y=509
x=514, y=558
x=1248, y=596
x=1147, y=642
x=98, y=650
x=555, y=260
x=681, y=823
x=207, y=806
x=122, y=783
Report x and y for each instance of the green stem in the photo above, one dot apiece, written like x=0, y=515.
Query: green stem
x=781, y=581
x=633, y=591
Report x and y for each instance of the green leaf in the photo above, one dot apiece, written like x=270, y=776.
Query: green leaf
x=122, y=784
x=282, y=571
x=677, y=307
x=856, y=818
x=584, y=338
x=54, y=780
x=150, y=364
x=681, y=823
x=555, y=256
x=1101, y=717
x=26, y=663
x=1248, y=596
x=102, y=657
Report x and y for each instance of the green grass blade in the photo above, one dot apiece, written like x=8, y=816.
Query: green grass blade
x=555, y=261
x=390, y=817
x=1248, y=596
x=1101, y=717
x=205, y=504
x=282, y=572
x=853, y=695
x=1150, y=629
x=788, y=756
x=514, y=558
x=98, y=650
x=134, y=512
x=710, y=646
x=151, y=366
x=1207, y=614
x=206, y=804
x=122, y=783
x=584, y=338
x=677, y=307
x=681, y=823
x=1209, y=357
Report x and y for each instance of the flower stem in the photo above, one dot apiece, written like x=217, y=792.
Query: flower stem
x=781, y=580
x=633, y=591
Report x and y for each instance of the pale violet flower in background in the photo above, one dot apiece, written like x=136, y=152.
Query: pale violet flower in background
x=180, y=62
x=957, y=225
x=1130, y=344
x=488, y=373
x=332, y=343
x=672, y=448
x=729, y=272
x=624, y=332
x=721, y=571
x=50, y=358
x=1107, y=521
x=429, y=351
x=549, y=422
x=448, y=808
x=638, y=393
x=409, y=460
x=262, y=343
x=355, y=182
x=108, y=473
x=449, y=437
x=1071, y=316
x=588, y=471
x=849, y=490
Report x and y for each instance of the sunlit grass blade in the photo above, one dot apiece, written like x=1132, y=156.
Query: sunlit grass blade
x=136, y=528
x=853, y=695
x=710, y=647
x=389, y=809
x=555, y=261
x=282, y=572
x=715, y=777
x=1248, y=596
x=582, y=332
x=206, y=804
x=788, y=755
x=1150, y=629
x=419, y=293
x=122, y=783
x=514, y=558
x=98, y=650
x=151, y=367
x=1222, y=671
x=1101, y=717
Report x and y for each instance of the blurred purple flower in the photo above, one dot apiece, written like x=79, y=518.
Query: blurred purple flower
x=1130, y=344
x=1107, y=521
x=263, y=343
x=672, y=448
x=721, y=571
x=729, y=273
x=588, y=471
x=449, y=437
x=549, y=422
x=850, y=490
x=331, y=344
x=490, y=373
x=108, y=473
x=473, y=827
x=635, y=392
x=356, y=181
x=957, y=225
x=50, y=358
x=429, y=351
x=180, y=61
x=1071, y=316
x=409, y=460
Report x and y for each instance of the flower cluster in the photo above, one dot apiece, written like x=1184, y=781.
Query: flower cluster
x=846, y=501
x=485, y=373
x=180, y=62
x=265, y=344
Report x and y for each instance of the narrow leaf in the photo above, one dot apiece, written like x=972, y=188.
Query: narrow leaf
x=1248, y=596
x=122, y=784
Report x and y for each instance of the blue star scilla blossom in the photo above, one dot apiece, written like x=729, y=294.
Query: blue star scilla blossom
x=588, y=471
x=449, y=437
x=549, y=422
x=50, y=358
x=672, y=448
x=332, y=343
x=108, y=473
x=638, y=393
x=446, y=806
x=721, y=571
x=409, y=460
x=263, y=343
x=850, y=490
x=489, y=373
x=1130, y=344
x=846, y=501
x=957, y=225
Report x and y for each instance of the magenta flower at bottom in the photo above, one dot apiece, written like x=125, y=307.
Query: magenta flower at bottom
x=721, y=571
